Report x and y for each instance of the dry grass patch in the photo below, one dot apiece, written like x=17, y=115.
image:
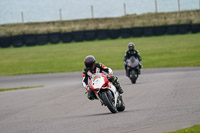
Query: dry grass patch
x=128, y=21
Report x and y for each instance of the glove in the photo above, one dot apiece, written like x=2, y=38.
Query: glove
x=109, y=76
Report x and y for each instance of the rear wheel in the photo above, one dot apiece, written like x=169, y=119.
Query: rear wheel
x=109, y=101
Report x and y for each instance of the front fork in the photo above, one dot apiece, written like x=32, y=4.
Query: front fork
x=115, y=94
x=129, y=69
x=119, y=101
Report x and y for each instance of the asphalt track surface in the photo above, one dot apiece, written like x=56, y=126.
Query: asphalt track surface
x=162, y=100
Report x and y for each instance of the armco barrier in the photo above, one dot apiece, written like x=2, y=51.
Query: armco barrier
x=90, y=35
x=160, y=30
x=30, y=40
x=54, y=37
x=66, y=37
x=125, y=32
x=114, y=34
x=42, y=39
x=149, y=31
x=78, y=36
x=195, y=28
x=102, y=34
x=17, y=41
x=5, y=41
x=172, y=29
x=137, y=31
x=184, y=28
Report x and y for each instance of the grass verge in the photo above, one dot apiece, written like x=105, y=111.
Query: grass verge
x=128, y=21
x=19, y=88
x=159, y=51
x=193, y=129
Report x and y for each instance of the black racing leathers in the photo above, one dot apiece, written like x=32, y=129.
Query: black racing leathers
x=99, y=67
x=134, y=53
x=130, y=53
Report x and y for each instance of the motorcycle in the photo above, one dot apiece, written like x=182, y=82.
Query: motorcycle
x=133, y=69
x=106, y=92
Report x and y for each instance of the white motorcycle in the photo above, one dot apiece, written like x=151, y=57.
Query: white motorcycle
x=106, y=92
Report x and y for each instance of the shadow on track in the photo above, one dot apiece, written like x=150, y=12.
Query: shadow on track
x=102, y=114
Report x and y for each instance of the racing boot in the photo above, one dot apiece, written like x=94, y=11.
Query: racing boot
x=127, y=73
x=139, y=72
x=117, y=85
x=119, y=89
x=140, y=66
x=91, y=95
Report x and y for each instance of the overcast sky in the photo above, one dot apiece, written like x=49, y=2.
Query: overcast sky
x=48, y=10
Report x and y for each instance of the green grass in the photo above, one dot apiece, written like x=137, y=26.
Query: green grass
x=19, y=88
x=193, y=129
x=161, y=51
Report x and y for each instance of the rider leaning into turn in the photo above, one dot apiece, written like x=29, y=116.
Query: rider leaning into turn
x=132, y=52
x=91, y=67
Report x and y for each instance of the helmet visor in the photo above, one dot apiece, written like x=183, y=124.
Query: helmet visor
x=89, y=65
x=130, y=47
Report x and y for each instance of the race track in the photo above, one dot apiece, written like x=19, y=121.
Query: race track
x=163, y=100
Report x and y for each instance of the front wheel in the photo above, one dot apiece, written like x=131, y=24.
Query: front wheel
x=109, y=101
x=133, y=76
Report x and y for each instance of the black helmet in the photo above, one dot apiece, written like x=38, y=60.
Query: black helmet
x=89, y=62
x=131, y=46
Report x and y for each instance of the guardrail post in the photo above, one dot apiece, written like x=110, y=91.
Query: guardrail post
x=179, y=6
x=156, y=9
x=22, y=15
x=124, y=9
x=92, y=12
x=60, y=14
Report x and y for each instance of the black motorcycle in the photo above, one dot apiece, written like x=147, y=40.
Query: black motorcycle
x=133, y=69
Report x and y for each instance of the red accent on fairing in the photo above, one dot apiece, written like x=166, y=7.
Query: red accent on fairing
x=92, y=88
x=83, y=75
x=103, y=66
x=105, y=80
x=104, y=85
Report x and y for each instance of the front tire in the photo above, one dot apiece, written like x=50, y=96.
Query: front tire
x=108, y=100
x=133, y=76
